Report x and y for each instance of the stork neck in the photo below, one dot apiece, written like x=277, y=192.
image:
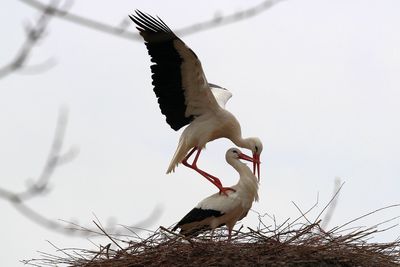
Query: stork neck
x=241, y=142
x=239, y=166
x=248, y=184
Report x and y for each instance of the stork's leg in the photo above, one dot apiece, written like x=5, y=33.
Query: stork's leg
x=184, y=161
x=229, y=233
x=193, y=166
x=211, y=178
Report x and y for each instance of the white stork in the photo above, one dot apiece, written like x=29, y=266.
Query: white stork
x=218, y=210
x=186, y=98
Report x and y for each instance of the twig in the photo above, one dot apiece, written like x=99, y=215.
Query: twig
x=301, y=212
x=366, y=215
x=331, y=204
x=303, y=246
x=104, y=232
x=36, y=32
x=176, y=234
x=228, y=19
x=53, y=161
x=33, y=34
x=120, y=31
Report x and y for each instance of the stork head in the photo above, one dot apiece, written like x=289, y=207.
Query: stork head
x=235, y=153
x=256, y=146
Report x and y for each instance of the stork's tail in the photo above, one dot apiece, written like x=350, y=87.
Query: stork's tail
x=179, y=155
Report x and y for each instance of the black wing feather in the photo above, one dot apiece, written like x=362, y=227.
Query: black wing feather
x=197, y=215
x=167, y=77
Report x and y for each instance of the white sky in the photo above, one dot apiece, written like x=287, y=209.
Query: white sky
x=318, y=81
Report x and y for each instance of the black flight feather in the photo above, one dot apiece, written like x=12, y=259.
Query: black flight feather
x=197, y=215
x=167, y=77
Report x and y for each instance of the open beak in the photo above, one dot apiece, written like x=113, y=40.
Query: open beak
x=256, y=165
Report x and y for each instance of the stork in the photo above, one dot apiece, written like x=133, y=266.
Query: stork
x=186, y=98
x=218, y=210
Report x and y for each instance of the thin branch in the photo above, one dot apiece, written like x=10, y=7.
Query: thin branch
x=302, y=213
x=38, y=68
x=120, y=31
x=85, y=22
x=54, y=159
x=62, y=228
x=34, y=33
x=105, y=233
x=228, y=19
x=366, y=215
x=331, y=204
x=40, y=185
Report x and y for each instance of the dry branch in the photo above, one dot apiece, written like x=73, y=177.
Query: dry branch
x=53, y=9
x=54, y=159
x=305, y=244
x=120, y=30
x=34, y=33
x=40, y=186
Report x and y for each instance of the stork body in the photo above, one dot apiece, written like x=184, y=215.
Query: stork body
x=186, y=98
x=218, y=210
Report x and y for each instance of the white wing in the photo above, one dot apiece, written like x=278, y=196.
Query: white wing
x=221, y=95
x=198, y=96
x=220, y=202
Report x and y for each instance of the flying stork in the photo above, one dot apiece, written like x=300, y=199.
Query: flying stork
x=218, y=210
x=186, y=98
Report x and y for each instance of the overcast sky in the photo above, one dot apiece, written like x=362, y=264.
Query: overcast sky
x=318, y=81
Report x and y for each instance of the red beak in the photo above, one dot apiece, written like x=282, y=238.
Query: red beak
x=245, y=157
x=256, y=165
x=256, y=162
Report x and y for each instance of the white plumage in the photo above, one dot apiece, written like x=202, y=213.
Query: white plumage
x=186, y=98
x=218, y=209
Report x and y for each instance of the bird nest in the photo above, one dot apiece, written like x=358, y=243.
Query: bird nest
x=288, y=244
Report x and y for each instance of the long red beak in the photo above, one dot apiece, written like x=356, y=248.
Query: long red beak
x=256, y=165
x=245, y=157
x=256, y=162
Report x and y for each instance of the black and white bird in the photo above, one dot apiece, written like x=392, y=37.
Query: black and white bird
x=218, y=210
x=186, y=98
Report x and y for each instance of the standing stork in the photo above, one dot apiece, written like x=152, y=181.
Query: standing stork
x=186, y=98
x=218, y=210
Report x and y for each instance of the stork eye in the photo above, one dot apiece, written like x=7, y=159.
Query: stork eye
x=256, y=149
x=235, y=151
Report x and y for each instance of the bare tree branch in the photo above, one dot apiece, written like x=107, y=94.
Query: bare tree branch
x=120, y=31
x=54, y=159
x=43, y=66
x=34, y=33
x=69, y=228
x=228, y=19
x=41, y=185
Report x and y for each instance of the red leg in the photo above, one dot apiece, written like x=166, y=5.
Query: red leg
x=184, y=161
x=208, y=176
x=193, y=166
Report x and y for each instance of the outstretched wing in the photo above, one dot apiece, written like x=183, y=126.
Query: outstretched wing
x=179, y=82
x=222, y=95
